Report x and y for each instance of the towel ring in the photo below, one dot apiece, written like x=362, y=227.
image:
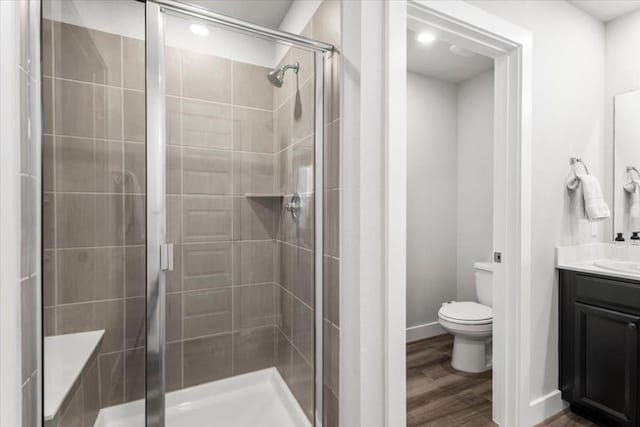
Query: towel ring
x=573, y=182
x=573, y=161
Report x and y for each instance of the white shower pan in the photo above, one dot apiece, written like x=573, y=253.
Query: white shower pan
x=259, y=398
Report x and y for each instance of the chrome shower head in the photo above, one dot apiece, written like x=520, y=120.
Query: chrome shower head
x=276, y=76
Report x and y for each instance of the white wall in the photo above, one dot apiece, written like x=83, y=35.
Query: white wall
x=567, y=120
x=622, y=74
x=449, y=193
x=431, y=199
x=475, y=179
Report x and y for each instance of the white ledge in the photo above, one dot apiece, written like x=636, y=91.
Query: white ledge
x=65, y=357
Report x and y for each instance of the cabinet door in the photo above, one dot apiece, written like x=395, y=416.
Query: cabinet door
x=606, y=363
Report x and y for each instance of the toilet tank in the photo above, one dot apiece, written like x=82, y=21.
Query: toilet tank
x=484, y=282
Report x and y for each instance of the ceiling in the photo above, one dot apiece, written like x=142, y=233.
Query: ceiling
x=435, y=60
x=268, y=13
x=606, y=10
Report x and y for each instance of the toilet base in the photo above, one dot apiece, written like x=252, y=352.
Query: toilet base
x=471, y=355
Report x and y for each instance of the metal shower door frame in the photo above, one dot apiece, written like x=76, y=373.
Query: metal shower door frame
x=159, y=254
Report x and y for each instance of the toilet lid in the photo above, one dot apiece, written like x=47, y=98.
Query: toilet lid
x=467, y=312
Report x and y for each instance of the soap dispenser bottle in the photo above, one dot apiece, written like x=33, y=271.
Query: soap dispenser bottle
x=619, y=240
x=635, y=238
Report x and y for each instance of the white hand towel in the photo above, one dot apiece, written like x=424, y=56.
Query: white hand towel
x=633, y=188
x=594, y=204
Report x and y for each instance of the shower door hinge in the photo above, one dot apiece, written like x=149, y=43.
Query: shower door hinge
x=166, y=257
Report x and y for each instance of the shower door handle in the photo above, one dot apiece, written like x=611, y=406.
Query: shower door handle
x=166, y=257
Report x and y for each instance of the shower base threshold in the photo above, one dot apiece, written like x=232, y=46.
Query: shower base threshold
x=259, y=398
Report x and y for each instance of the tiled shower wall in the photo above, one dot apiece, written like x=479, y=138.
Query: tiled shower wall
x=240, y=295
x=220, y=297
x=294, y=135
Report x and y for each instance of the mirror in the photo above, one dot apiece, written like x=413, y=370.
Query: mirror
x=626, y=167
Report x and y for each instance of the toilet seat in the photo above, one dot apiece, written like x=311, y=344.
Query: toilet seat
x=466, y=313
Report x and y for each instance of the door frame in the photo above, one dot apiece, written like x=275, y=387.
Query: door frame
x=379, y=299
x=510, y=47
x=159, y=253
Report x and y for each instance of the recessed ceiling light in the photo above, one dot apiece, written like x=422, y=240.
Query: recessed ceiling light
x=426, y=38
x=199, y=30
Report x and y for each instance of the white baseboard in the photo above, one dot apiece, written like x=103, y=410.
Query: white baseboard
x=545, y=406
x=427, y=330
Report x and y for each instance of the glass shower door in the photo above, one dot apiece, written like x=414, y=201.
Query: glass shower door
x=234, y=134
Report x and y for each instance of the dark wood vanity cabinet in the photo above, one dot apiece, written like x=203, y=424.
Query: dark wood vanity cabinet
x=598, y=343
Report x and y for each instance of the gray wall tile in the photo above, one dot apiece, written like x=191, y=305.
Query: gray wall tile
x=135, y=322
x=253, y=306
x=303, y=275
x=174, y=317
x=207, y=312
x=172, y=60
x=135, y=271
x=251, y=87
x=207, y=359
x=255, y=218
x=302, y=383
x=87, y=55
x=134, y=374
x=107, y=315
x=207, y=172
x=86, y=110
x=303, y=111
x=253, y=173
x=206, y=125
x=73, y=415
x=253, y=130
x=284, y=311
x=253, y=350
x=135, y=172
x=207, y=219
x=173, y=366
x=90, y=274
x=207, y=266
x=283, y=357
x=253, y=262
x=302, y=329
x=111, y=379
x=134, y=115
x=206, y=77
x=91, y=393
x=133, y=55
x=89, y=220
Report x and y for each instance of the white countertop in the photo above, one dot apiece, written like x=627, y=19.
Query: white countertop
x=65, y=356
x=589, y=267
x=582, y=258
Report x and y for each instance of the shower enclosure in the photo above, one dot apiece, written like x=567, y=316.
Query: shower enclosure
x=183, y=212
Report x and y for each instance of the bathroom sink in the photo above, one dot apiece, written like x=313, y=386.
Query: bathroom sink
x=632, y=267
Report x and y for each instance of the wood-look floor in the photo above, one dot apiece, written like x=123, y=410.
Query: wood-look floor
x=439, y=396
x=566, y=419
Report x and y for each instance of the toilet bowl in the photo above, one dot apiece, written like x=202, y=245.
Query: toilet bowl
x=471, y=324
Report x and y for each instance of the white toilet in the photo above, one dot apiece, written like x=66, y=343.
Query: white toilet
x=471, y=324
